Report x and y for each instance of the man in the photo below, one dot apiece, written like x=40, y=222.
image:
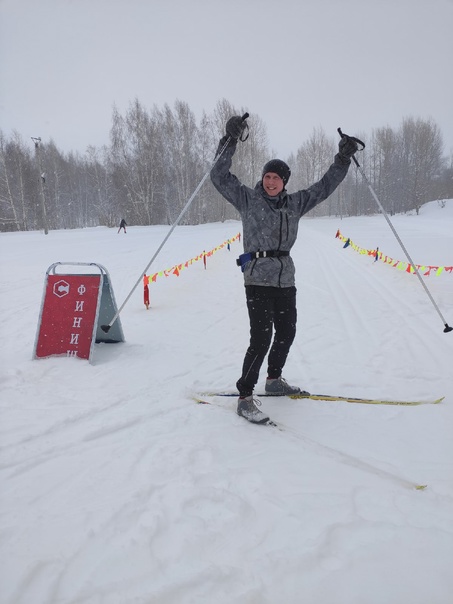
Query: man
x=270, y=218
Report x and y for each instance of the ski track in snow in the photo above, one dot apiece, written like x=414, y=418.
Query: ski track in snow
x=116, y=488
x=372, y=287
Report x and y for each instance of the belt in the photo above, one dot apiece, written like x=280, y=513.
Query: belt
x=270, y=253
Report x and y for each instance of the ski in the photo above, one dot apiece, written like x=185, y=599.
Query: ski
x=323, y=449
x=335, y=398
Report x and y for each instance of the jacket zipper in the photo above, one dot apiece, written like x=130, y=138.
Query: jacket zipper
x=278, y=248
x=279, y=245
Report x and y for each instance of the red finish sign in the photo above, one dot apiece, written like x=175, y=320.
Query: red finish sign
x=68, y=316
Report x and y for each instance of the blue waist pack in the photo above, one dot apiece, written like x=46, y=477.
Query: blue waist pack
x=247, y=257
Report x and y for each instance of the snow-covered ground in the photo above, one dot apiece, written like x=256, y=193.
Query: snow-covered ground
x=116, y=488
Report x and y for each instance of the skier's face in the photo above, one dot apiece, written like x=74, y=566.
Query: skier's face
x=273, y=184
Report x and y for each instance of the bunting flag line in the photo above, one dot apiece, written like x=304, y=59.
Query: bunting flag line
x=176, y=270
x=424, y=269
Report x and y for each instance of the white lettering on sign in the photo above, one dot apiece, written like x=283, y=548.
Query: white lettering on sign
x=77, y=322
x=74, y=339
x=81, y=289
x=71, y=353
x=79, y=306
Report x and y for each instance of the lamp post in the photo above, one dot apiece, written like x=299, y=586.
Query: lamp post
x=42, y=180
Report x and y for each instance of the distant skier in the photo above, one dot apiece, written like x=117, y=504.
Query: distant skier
x=270, y=219
x=123, y=225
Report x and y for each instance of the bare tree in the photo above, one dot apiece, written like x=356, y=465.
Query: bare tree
x=136, y=162
x=102, y=191
x=183, y=167
x=421, y=153
x=312, y=160
x=255, y=151
x=12, y=191
x=203, y=209
x=385, y=167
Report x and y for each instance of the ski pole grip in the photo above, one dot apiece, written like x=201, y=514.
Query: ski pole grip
x=245, y=116
x=357, y=140
x=354, y=159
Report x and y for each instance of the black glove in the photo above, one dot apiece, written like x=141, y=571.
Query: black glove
x=346, y=148
x=235, y=126
x=223, y=140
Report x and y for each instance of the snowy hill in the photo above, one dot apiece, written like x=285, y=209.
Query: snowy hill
x=116, y=488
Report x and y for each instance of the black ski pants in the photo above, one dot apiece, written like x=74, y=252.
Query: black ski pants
x=272, y=311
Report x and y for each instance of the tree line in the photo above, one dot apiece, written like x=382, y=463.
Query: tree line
x=157, y=157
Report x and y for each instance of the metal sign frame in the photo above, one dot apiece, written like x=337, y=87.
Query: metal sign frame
x=73, y=308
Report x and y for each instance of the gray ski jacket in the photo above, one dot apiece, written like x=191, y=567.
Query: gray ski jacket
x=271, y=223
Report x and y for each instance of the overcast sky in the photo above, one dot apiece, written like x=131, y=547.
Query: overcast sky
x=297, y=64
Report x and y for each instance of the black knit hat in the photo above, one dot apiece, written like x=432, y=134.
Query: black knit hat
x=278, y=167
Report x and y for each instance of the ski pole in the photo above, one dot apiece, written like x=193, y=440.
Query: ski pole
x=107, y=327
x=447, y=327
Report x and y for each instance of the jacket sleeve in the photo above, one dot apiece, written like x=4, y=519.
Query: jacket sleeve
x=321, y=190
x=228, y=184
